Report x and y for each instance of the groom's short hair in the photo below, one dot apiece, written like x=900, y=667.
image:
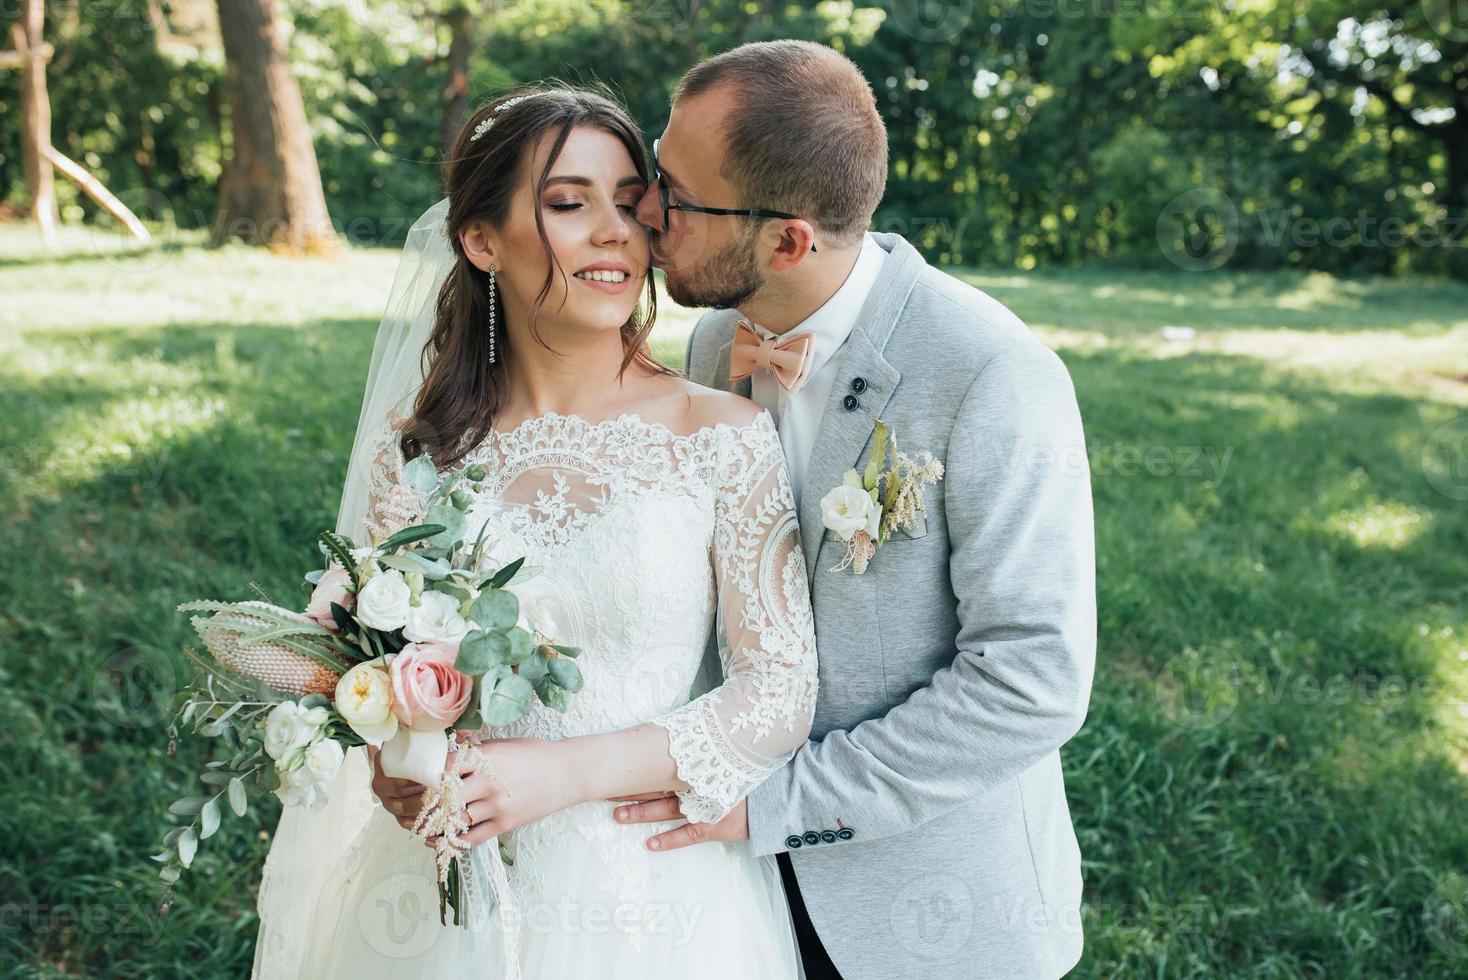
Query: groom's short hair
x=805, y=135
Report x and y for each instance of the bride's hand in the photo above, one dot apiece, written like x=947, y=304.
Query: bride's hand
x=401, y=798
x=527, y=778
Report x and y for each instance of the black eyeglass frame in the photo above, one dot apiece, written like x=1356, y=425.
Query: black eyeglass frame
x=742, y=212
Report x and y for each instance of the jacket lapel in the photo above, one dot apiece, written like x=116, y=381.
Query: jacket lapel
x=843, y=435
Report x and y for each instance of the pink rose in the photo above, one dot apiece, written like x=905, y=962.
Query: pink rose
x=335, y=586
x=427, y=692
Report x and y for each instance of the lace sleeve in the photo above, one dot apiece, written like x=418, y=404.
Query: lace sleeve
x=727, y=741
x=391, y=504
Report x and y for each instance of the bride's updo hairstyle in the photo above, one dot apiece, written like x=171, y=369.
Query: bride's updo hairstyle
x=462, y=391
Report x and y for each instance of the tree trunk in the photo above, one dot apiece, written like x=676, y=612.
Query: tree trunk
x=456, y=88
x=271, y=190
x=35, y=128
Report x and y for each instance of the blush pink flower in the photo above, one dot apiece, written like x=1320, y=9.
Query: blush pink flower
x=427, y=692
x=335, y=586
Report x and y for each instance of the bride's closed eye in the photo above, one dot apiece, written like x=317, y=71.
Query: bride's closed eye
x=629, y=208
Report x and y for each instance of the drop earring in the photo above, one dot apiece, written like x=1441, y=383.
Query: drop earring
x=491, y=314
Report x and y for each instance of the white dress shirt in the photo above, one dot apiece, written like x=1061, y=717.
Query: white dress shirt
x=798, y=416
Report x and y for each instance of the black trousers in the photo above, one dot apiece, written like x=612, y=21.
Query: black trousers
x=818, y=965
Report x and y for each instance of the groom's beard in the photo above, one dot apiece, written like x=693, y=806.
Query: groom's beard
x=726, y=279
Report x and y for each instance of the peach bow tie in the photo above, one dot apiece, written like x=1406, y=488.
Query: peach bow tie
x=788, y=360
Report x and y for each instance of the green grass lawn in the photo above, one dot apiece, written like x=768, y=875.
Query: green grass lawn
x=1273, y=778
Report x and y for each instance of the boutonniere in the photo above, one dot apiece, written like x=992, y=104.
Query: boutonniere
x=868, y=507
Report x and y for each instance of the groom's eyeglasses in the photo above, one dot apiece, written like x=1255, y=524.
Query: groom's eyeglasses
x=675, y=206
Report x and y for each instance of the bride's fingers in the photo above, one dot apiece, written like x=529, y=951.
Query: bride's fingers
x=638, y=797
x=649, y=812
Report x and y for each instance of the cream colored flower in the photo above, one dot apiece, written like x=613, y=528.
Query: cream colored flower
x=364, y=699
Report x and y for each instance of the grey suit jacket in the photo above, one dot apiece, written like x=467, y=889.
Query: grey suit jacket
x=926, y=817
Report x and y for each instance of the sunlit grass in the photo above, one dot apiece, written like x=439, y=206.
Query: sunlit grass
x=1274, y=771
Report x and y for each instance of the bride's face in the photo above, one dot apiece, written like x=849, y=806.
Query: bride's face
x=587, y=208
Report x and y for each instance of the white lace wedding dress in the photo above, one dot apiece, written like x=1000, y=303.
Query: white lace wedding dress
x=642, y=537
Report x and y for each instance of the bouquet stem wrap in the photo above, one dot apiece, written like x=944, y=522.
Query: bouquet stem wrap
x=444, y=816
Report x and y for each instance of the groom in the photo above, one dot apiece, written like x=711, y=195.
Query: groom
x=923, y=829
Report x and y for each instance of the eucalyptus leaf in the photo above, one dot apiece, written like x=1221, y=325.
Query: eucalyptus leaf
x=186, y=807
x=420, y=474
x=237, y=798
x=169, y=874
x=209, y=819
x=533, y=668
x=453, y=523
x=480, y=652
x=565, y=673
x=566, y=651
x=521, y=645
x=188, y=846
x=171, y=838
x=216, y=778
x=553, y=694
x=495, y=610
x=505, y=700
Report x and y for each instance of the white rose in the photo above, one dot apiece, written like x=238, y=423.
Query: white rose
x=286, y=729
x=324, y=759
x=435, y=619
x=300, y=787
x=849, y=509
x=364, y=699
x=383, y=603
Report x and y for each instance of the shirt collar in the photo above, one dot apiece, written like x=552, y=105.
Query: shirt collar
x=830, y=325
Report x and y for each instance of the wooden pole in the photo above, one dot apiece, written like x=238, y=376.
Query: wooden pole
x=98, y=193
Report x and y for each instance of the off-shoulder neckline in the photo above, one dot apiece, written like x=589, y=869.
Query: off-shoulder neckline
x=628, y=420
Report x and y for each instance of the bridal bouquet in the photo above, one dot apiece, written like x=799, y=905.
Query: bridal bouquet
x=400, y=643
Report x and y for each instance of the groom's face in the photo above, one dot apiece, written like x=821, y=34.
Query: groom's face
x=707, y=260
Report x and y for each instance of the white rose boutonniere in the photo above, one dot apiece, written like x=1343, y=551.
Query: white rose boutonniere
x=867, y=508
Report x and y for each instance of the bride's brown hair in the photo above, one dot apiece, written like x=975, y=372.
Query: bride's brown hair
x=462, y=391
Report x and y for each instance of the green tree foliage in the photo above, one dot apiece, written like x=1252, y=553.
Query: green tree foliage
x=1332, y=135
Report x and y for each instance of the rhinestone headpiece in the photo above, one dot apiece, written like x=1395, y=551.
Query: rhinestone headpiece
x=488, y=122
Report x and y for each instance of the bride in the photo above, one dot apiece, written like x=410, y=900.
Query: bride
x=513, y=343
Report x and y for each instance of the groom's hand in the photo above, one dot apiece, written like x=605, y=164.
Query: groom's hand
x=735, y=826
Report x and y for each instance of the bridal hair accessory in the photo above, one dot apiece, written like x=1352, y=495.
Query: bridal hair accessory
x=868, y=508
x=491, y=314
x=488, y=122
